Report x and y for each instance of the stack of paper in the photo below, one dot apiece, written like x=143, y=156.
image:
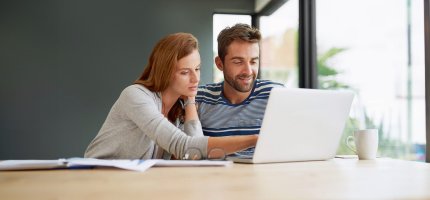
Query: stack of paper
x=135, y=165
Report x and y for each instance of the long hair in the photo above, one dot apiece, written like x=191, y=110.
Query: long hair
x=162, y=64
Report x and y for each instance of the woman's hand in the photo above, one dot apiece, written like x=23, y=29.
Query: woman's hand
x=183, y=97
x=231, y=144
x=190, y=108
x=188, y=100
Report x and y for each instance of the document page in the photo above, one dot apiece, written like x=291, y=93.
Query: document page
x=190, y=163
x=32, y=164
x=135, y=165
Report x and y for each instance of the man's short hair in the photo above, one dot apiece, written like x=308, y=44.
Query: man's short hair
x=242, y=32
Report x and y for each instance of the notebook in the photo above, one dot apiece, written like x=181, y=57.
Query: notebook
x=300, y=125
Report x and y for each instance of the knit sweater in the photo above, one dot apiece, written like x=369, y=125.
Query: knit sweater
x=135, y=128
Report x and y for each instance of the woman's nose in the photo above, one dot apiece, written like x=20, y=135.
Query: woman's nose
x=195, y=77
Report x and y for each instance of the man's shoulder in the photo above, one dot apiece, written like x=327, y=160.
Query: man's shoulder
x=210, y=89
x=262, y=89
x=211, y=86
x=267, y=84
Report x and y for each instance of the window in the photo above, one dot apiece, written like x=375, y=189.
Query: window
x=279, y=45
x=376, y=48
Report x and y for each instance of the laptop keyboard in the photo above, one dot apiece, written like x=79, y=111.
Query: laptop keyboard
x=247, y=153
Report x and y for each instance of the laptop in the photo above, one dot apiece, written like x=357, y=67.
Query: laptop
x=300, y=125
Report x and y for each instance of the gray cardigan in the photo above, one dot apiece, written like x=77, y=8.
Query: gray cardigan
x=135, y=128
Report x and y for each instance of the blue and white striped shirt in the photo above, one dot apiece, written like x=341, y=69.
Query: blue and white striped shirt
x=221, y=118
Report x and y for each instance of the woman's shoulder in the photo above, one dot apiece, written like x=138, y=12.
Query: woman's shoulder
x=137, y=91
x=137, y=88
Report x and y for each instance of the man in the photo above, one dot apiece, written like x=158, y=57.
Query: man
x=235, y=106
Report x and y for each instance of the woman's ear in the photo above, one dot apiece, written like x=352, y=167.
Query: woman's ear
x=219, y=63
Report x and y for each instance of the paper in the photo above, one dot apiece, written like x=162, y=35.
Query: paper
x=32, y=164
x=190, y=163
x=135, y=165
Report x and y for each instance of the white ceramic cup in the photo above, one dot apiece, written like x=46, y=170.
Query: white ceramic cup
x=366, y=143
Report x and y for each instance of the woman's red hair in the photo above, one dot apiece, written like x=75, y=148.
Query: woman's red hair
x=163, y=62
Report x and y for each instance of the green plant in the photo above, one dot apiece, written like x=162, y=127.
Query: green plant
x=326, y=73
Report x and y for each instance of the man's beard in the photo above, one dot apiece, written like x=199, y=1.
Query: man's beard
x=239, y=87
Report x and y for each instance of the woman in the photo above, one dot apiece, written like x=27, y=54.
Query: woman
x=156, y=117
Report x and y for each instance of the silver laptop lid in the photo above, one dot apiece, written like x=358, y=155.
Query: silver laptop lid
x=302, y=124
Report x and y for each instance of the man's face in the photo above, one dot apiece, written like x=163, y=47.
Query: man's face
x=240, y=66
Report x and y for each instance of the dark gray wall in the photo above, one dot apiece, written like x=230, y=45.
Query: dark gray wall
x=63, y=64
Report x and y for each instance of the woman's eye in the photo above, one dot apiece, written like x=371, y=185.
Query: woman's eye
x=184, y=72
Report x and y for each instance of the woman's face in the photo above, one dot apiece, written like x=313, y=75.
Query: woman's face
x=186, y=78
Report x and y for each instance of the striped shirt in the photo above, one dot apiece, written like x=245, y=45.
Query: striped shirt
x=221, y=118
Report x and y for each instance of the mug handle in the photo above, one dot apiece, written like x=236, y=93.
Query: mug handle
x=348, y=145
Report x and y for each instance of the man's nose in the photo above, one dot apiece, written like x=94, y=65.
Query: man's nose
x=247, y=68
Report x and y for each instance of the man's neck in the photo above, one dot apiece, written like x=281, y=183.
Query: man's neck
x=234, y=96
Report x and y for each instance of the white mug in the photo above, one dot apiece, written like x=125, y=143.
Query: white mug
x=366, y=143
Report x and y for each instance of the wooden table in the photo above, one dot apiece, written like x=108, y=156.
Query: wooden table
x=333, y=179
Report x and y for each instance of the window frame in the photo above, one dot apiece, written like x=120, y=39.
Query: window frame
x=427, y=73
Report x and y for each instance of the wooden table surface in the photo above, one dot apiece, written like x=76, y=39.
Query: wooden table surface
x=332, y=179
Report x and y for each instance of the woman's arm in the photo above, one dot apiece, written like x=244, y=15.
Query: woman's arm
x=190, y=109
x=231, y=144
x=192, y=126
x=139, y=105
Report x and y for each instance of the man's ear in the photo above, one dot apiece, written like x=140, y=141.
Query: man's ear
x=219, y=63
